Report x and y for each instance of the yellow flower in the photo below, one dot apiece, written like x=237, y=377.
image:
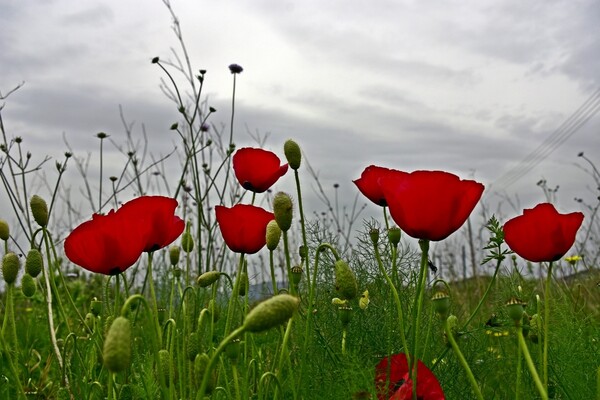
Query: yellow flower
x=573, y=259
x=364, y=301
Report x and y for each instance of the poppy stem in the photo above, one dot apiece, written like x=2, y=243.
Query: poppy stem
x=546, y=323
x=154, y=302
x=302, y=226
x=272, y=267
x=536, y=378
x=416, y=312
x=462, y=361
x=234, y=294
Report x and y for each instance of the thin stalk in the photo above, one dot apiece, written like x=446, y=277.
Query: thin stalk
x=462, y=360
x=288, y=262
x=536, y=378
x=272, y=267
x=546, y=323
x=154, y=301
x=302, y=225
x=234, y=294
x=416, y=314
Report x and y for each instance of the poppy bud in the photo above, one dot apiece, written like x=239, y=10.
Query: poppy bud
x=374, y=234
x=117, y=345
x=34, y=262
x=39, y=210
x=193, y=346
x=345, y=314
x=208, y=278
x=303, y=252
x=187, y=242
x=4, y=230
x=244, y=284
x=28, y=285
x=441, y=304
x=164, y=361
x=515, y=309
x=292, y=153
x=296, y=275
x=174, y=253
x=345, y=281
x=394, y=235
x=10, y=267
x=271, y=313
x=283, y=210
x=273, y=235
x=200, y=364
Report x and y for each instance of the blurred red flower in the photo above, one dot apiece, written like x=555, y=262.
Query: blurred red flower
x=243, y=227
x=429, y=204
x=107, y=244
x=400, y=386
x=257, y=169
x=157, y=213
x=368, y=184
x=542, y=233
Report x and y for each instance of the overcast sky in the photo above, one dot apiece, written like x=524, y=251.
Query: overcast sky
x=471, y=87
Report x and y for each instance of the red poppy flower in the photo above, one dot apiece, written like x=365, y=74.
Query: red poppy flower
x=542, y=233
x=400, y=386
x=244, y=227
x=107, y=244
x=368, y=184
x=157, y=213
x=257, y=169
x=429, y=204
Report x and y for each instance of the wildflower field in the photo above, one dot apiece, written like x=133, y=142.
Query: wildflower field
x=209, y=282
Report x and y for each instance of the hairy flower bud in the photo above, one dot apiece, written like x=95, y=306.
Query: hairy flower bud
x=193, y=346
x=283, y=210
x=164, y=361
x=292, y=153
x=28, y=285
x=117, y=345
x=271, y=313
x=200, y=364
x=4, y=230
x=187, y=242
x=208, y=278
x=345, y=281
x=39, y=210
x=273, y=235
x=96, y=307
x=10, y=267
x=34, y=262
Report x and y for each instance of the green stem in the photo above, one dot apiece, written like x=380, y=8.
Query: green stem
x=462, y=361
x=519, y=368
x=485, y=294
x=416, y=312
x=546, y=323
x=110, y=386
x=272, y=266
x=302, y=225
x=236, y=383
x=154, y=302
x=213, y=360
x=288, y=262
x=234, y=294
x=9, y=328
x=536, y=378
x=344, y=334
x=282, y=354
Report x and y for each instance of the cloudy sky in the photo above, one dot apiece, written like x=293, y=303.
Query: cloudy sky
x=471, y=87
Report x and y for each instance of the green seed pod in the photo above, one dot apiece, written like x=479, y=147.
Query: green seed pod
x=28, y=285
x=441, y=304
x=34, y=262
x=10, y=267
x=345, y=315
x=283, y=210
x=273, y=235
x=345, y=281
x=292, y=153
x=374, y=235
x=39, y=210
x=4, y=230
x=187, y=242
x=233, y=350
x=296, y=275
x=394, y=235
x=164, y=361
x=176, y=272
x=96, y=307
x=303, y=252
x=244, y=284
x=193, y=346
x=271, y=313
x=117, y=345
x=208, y=278
x=174, y=253
x=515, y=310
